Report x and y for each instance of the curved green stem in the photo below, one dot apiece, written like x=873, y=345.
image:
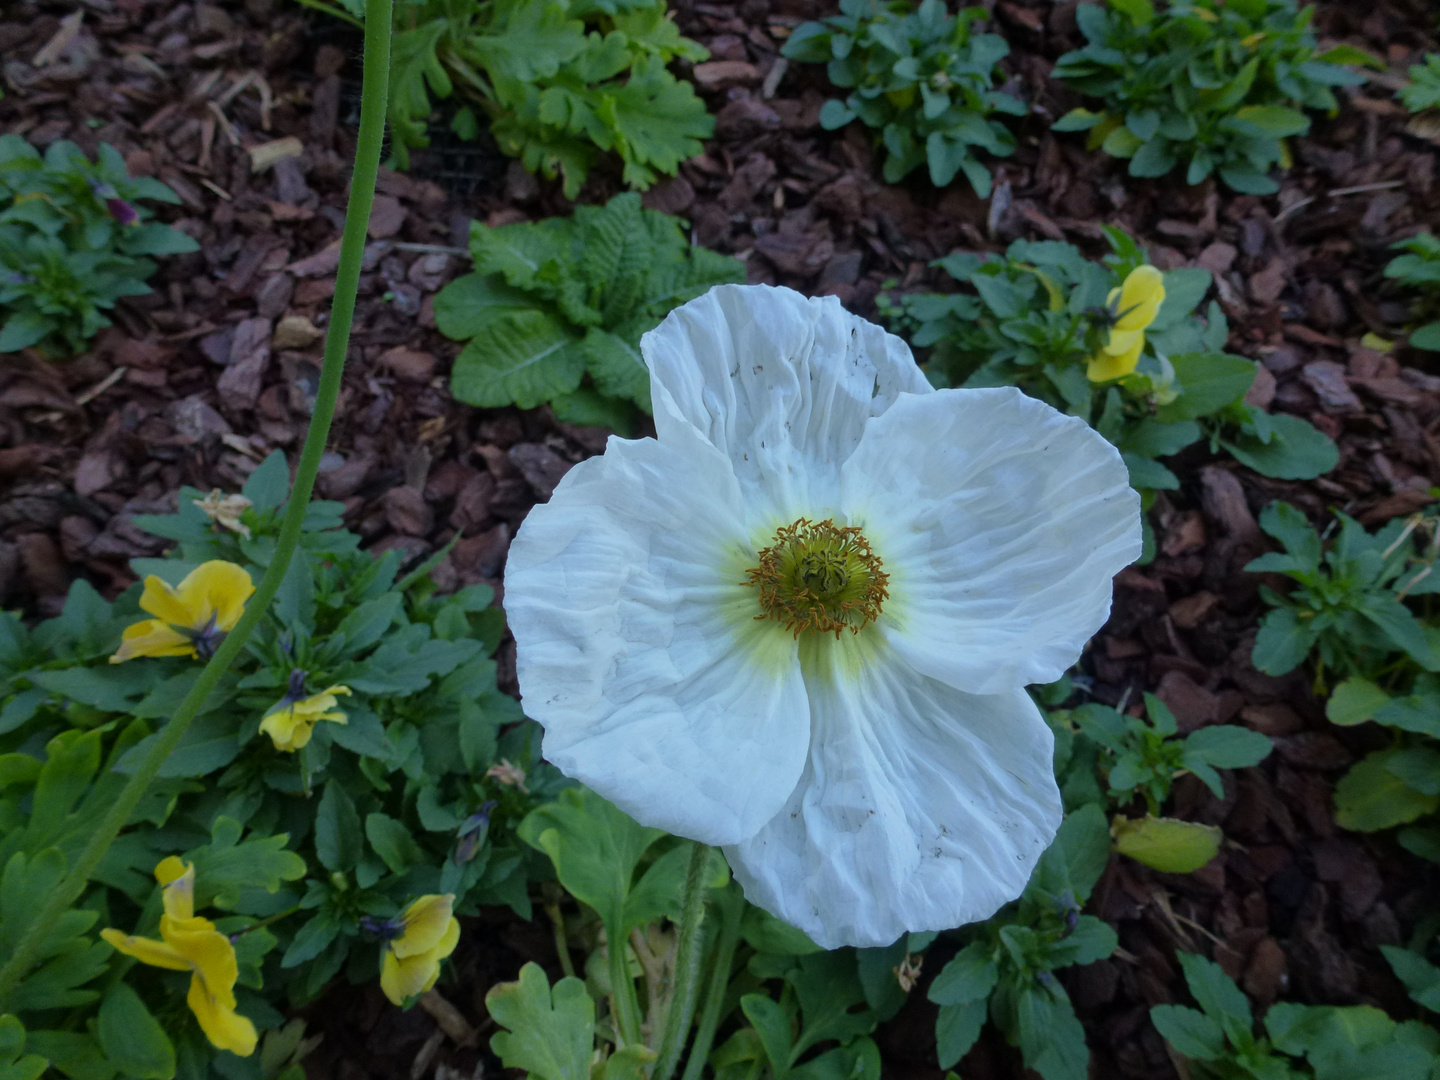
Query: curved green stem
x=688, y=948
x=352, y=248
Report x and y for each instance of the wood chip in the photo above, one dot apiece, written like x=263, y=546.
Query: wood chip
x=265, y=155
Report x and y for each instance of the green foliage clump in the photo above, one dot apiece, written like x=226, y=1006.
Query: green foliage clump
x=1423, y=90
x=1037, y=316
x=556, y=303
x=785, y=1007
x=920, y=77
x=561, y=81
x=73, y=240
x=1419, y=268
x=1323, y=1042
x=1361, y=608
x=1004, y=971
x=303, y=852
x=1215, y=86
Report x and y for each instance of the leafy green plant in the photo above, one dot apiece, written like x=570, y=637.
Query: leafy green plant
x=1216, y=86
x=1005, y=969
x=307, y=852
x=556, y=303
x=1419, y=268
x=791, y=1010
x=1325, y=1042
x=560, y=81
x=73, y=240
x=921, y=78
x=1349, y=600
x=1423, y=90
x=1039, y=316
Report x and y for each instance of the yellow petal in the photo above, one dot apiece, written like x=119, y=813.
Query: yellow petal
x=1123, y=341
x=1104, y=367
x=223, y=1026
x=1140, y=298
x=405, y=978
x=208, y=951
x=215, y=588
x=287, y=729
x=178, y=879
x=165, y=602
x=446, y=945
x=147, y=951
x=426, y=921
x=151, y=637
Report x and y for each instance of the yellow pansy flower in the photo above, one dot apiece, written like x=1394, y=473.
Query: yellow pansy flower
x=1135, y=304
x=424, y=935
x=292, y=719
x=191, y=619
x=190, y=943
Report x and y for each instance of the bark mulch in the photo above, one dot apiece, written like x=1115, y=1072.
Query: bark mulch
x=196, y=383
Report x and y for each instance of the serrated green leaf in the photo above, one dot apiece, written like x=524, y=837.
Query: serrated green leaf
x=523, y=358
x=549, y=1032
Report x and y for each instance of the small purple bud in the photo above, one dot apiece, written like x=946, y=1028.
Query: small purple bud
x=296, y=690
x=472, y=833
x=122, y=211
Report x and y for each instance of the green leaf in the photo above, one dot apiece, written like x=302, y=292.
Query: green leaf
x=337, y=829
x=956, y=1029
x=1051, y=1038
x=1283, y=643
x=367, y=622
x=1184, y=290
x=1355, y=701
x=835, y=114
x=1370, y=797
x=1167, y=844
x=392, y=841
x=657, y=121
x=773, y=1027
x=969, y=976
x=468, y=304
x=1227, y=746
x=1139, y=12
x=132, y=1038
x=1297, y=450
x=1077, y=858
x=1271, y=121
x=1191, y=1033
x=1421, y=978
x=522, y=358
x=226, y=865
x=550, y=1033
x=1426, y=337
x=616, y=367
x=269, y=485
x=1217, y=994
x=765, y=933
x=595, y=848
x=1208, y=382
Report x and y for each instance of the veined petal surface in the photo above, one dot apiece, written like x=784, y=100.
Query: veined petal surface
x=638, y=650
x=1001, y=523
x=779, y=383
x=920, y=807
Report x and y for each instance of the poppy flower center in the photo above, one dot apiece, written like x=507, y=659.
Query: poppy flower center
x=819, y=577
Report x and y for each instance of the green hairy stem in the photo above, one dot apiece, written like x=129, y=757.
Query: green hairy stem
x=337, y=340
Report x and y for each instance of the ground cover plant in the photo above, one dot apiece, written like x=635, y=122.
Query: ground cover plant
x=74, y=238
x=919, y=76
x=1298, y=912
x=1214, y=87
x=554, y=310
x=558, y=83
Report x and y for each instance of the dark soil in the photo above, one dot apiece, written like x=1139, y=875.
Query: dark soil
x=198, y=382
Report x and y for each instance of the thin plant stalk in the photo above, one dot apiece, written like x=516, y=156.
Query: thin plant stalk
x=368, y=149
x=731, y=906
x=688, y=947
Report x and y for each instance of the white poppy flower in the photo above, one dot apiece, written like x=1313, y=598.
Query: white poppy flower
x=799, y=623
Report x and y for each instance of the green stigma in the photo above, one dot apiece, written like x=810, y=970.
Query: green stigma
x=819, y=577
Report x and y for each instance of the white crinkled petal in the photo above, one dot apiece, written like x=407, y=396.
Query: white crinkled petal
x=920, y=808
x=1001, y=523
x=637, y=649
x=781, y=384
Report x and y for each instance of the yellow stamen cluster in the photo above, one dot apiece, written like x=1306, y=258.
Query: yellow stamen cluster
x=821, y=577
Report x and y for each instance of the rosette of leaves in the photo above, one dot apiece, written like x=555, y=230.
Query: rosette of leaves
x=1004, y=971
x=560, y=81
x=392, y=804
x=1034, y=317
x=74, y=239
x=555, y=309
x=1326, y=1042
x=1419, y=269
x=1360, y=609
x=1216, y=87
x=919, y=76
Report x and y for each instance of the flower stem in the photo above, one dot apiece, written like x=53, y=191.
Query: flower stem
x=732, y=906
x=688, y=948
x=352, y=248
